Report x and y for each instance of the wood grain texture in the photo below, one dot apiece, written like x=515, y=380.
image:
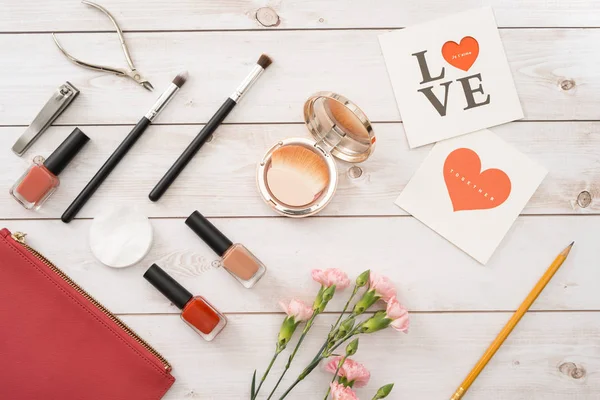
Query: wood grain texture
x=458, y=305
x=541, y=61
x=427, y=363
x=430, y=273
x=57, y=15
x=221, y=178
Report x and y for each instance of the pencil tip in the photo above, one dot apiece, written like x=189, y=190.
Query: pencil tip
x=566, y=251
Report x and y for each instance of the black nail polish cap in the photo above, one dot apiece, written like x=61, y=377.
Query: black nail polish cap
x=64, y=153
x=209, y=233
x=168, y=286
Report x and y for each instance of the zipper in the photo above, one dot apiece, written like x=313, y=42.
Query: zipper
x=19, y=237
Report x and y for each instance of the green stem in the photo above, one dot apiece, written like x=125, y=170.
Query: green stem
x=354, y=291
x=352, y=333
x=342, y=361
x=289, y=363
x=262, y=380
x=303, y=375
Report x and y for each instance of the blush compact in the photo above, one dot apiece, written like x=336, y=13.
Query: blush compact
x=298, y=176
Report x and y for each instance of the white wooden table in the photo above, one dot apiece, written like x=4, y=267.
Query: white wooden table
x=457, y=305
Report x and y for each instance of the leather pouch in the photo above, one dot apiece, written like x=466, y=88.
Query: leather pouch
x=58, y=343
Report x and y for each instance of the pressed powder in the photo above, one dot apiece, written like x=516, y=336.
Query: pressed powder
x=298, y=177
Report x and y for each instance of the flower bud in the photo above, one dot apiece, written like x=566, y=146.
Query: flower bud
x=384, y=391
x=325, y=298
x=368, y=299
x=345, y=328
x=376, y=323
x=352, y=348
x=288, y=327
x=328, y=293
x=363, y=278
x=318, y=299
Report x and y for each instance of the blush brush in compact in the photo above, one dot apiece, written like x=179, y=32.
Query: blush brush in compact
x=163, y=185
x=298, y=176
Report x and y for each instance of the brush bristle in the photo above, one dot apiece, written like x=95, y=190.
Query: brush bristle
x=297, y=176
x=264, y=61
x=180, y=79
x=301, y=159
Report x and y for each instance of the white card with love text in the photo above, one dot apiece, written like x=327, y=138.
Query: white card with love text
x=470, y=189
x=450, y=76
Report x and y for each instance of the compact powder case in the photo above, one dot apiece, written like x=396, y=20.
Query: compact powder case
x=298, y=176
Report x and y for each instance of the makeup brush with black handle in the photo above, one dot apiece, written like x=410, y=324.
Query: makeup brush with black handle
x=123, y=148
x=161, y=187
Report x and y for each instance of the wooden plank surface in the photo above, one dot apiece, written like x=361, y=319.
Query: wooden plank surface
x=550, y=356
x=220, y=180
x=430, y=273
x=458, y=305
x=57, y=15
x=543, y=61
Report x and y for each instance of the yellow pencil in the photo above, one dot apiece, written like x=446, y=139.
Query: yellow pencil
x=510, y=325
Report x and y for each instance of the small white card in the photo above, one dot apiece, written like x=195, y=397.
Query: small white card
x=470, y=190
x=450, y=76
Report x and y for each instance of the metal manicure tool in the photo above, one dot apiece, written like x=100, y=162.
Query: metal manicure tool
x=59, y=101
x=131, y=73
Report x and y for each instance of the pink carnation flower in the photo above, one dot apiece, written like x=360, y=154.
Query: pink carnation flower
x=398, y=314
x=383, y=286
x=297, y=309
x=340, y=392
x=330, y=277
x=351, y=370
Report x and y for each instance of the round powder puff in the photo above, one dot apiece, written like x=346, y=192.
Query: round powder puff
x=120, y=237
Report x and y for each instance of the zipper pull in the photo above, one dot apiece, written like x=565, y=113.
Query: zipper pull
x=19, y=237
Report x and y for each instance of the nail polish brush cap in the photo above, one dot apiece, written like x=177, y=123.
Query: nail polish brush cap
x=64, y=153
x=168, y=286
x=209, y=233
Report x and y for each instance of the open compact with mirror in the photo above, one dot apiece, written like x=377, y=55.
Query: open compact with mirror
x=298, y=176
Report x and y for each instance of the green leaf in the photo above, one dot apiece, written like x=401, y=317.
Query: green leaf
x=253, y=388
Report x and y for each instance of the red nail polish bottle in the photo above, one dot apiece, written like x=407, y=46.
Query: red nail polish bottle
x=41, y=179
x=199, y=314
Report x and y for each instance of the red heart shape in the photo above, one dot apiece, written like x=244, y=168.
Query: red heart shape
x=471, y=189
x=463, y=55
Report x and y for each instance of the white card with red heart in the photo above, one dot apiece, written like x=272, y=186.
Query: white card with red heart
x=470, y=189
x=450, y=76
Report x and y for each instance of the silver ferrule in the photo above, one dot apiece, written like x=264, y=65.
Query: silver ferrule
x=162, y=101
x=247, y=83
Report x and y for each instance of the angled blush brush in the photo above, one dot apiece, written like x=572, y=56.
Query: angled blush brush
x=123, y=148
x=161, y=187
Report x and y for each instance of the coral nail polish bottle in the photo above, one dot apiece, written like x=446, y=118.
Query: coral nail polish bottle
x=236, y=258
x=198, y=313
x=41, y=179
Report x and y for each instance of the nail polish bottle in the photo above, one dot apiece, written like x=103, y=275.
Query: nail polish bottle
x=236, y=259
x=41, y=179
x=198, y=313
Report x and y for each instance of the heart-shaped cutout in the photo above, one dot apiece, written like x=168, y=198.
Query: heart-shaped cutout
x=463, y=55
x=471, y=189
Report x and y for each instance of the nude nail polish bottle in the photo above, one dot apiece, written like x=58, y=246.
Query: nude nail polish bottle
x=198, y=313
x=40, y=181
x=236, y=258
